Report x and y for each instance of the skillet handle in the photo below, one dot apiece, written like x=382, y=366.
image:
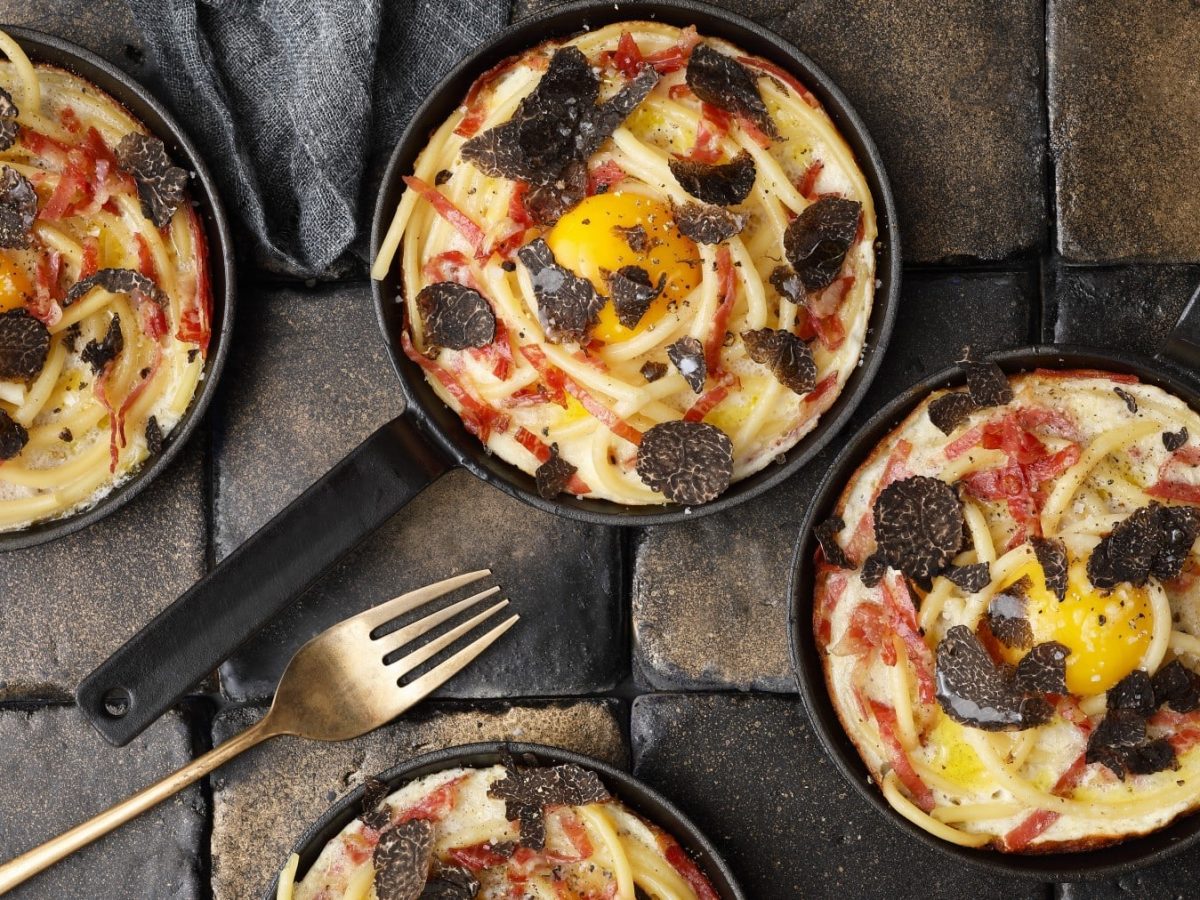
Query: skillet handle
x=192, y=636
x=1183, y=344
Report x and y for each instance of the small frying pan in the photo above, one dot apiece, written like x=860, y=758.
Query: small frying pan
x=637, y=796
x=190, y=638
x=43, y=48
x=1168, y=370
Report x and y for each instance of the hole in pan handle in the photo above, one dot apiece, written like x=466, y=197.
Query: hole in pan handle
x=193, y=635
x=1183, y=344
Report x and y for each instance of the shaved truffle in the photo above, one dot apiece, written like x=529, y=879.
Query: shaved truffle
x=98, y=354
x=1128, y=398
x=786, y=356
x=826, y=534
x=24, y=343
x=568, y=305
x=9, y=129
x=1154, y=540
x=374, y=815
x=1177, y=686
x=727, y=84
x=874, y=567
x=635, y=236
x=549, y=201
x=687, y=355
x=950, y=410
x=972, y=579
x=553, y=475
x=987, y=383
x=787, y=283
x=1007, y=617
x=154, y=436
x=18, y=208
x=451, y=883
x=1119, y=742
x=13, y=436
x=1051, y=555
x=721, y=184
x=402, y=859
x=160, y=183
x=1043, y=669
x=528, y=792
x=652, y=371
x=1135, y=691
x=117, y=281
x=606, y=118
x=632, y=293
x=1173, y=440
x=974, y=691
x=456, y=316
x=817, y=240
x=688, y=462
x=918, y=526
x=707, y=224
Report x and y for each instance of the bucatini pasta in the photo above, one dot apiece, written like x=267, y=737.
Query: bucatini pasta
x=104, y=292
x=639, y=264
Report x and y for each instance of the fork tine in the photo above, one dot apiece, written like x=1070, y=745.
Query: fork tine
x=401, y=636
x=407, y=663
x=444, y=671
x=388, y=610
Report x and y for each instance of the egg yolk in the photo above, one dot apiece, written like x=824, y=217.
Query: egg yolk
x=956, y=759
x=1107, y=632
x=592, y=239
x=14, y=284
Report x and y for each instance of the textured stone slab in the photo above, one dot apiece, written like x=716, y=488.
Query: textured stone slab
x=951, y=94
x=265, y=800
x=1173, y=880
x=750, y=773
x=710, y=598
x=1123, y=128
x=69, y=604
x=106, y=27
x=1122, y=307
x=57, y=772
x=307, y=382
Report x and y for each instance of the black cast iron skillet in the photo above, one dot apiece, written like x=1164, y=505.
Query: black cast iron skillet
x=625, y=787
x=1168, y=370
x=276, y=565
x=43, y=48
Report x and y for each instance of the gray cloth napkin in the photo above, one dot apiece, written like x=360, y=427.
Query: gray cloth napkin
x=296, y=104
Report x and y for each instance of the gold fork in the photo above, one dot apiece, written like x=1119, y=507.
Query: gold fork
x=336, y=687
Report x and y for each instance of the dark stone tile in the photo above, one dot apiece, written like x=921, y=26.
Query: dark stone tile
x=1123, y=126
x=259, y=813
x=749, y=771
x=710, y=599
x=1173, y=880
x=57, y=772
x=67, y=605
x=106, y=27
x=1125, y=308
x=311, y=377
x=951, y=93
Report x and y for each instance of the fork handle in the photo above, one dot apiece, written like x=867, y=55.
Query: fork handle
x=193, y=635
x=40, y=858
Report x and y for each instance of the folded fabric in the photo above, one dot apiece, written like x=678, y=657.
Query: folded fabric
x=295, y=104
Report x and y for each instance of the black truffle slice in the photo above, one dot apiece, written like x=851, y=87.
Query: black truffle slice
x=950, y=410
x=18, y=208
x=117, y=281
x=652, y=371
x=632, y=293
x=1178, y=528
x=549, y=201
x=1173, y=440
x=1051, y=555
x=456, y=316
x=987, y=383
x=707, y=224
x=160, y=183
x=918, y=526
x=826, y=534
x=568, y=305
x=972, y=578
x=402, y=859
x=1178, y=686
x=873, y=569
x=1007, y=616
x=527, y=793
x=374, y=815
x=1128, y=398
x=786, y=356
x=1120, y=743
x=154, y=436
x=1153, y=756
x=973, y=690
x=722, y=184
x=727, y=84
x=603, y=120
x=9, y=129
x=635, y=236
x=553, y=475
x=687, y=355
x=451, y=883
x=24, y=343
x=1043, y=670
x=13, y=436
x=99, y=354
x=787, y=283
x=1135, y=692
x=688, y=462
x=816, y=241
x=1154, y=540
